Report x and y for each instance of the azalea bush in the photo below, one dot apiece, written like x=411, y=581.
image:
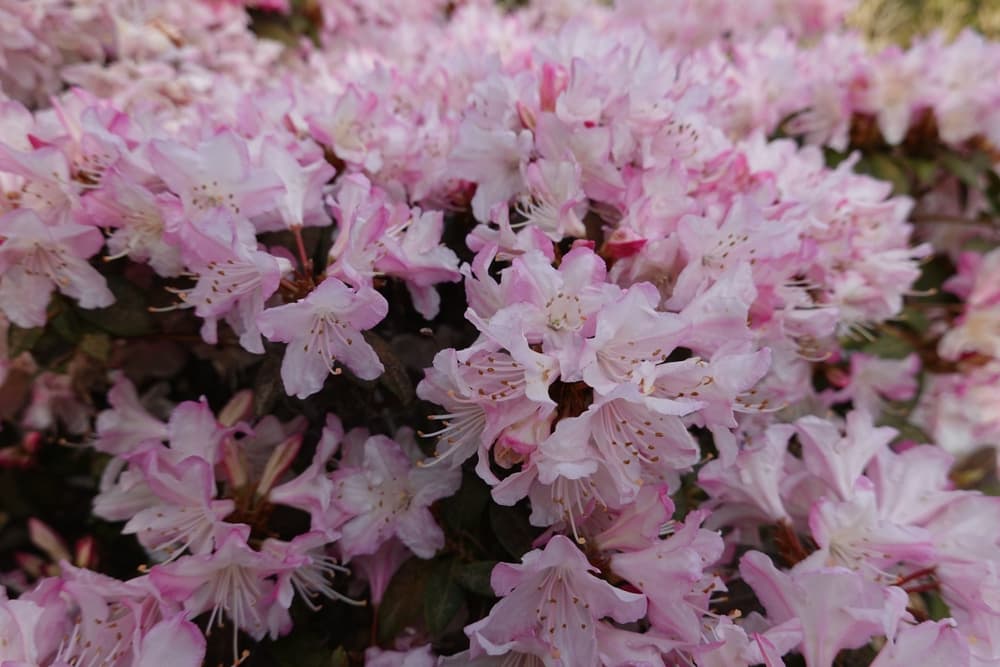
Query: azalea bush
x=571, y=334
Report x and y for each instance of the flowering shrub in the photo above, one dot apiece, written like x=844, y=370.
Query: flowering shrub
x=659, y=334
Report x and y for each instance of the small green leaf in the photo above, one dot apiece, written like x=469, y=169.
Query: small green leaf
x=926, y=171
x=339, y=658
x=937, y=608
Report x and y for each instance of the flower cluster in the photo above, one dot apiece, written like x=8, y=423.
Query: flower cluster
x=429, y=334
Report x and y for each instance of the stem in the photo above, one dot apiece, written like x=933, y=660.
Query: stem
x=927, y=571
x=303, y=260
x=951, y=220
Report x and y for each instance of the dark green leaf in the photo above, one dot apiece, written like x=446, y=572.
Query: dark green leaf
x=339, y=658
x=464, y=510
x=300, y=649
x=398, y=610
x=443, y=597
x=394, y=378
x=512, y=530
x=475, y=577
x=22, y=340
x=96, y=345
x=888, y=347
x=127, y=316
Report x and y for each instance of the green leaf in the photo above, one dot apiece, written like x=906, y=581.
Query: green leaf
x=398, y=610
x=888, y=347
x=394, y=378
x=339, y=658
x=464, y=510
x=475, y=577
x=302, y=649
x=127, y=316
x=963, y=168
x=926, y=171
x=67, y=325
x=883, y=167
x=512, y=530
x=937, y=608
x=96, y=345
x=443, y=597
x=22, y=340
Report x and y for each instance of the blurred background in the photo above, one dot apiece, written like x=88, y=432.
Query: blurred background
x=900, y=20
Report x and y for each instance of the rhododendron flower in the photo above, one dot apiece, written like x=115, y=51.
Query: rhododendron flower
x=552, y=599
x=37, y=258
x=389, y=494
x=232, y=580
x=323, y=328
x=852, y=612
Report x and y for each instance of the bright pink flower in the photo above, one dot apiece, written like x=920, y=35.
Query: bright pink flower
x=323, y=328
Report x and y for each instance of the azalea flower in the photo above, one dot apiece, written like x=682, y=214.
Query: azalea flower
x=323, y=328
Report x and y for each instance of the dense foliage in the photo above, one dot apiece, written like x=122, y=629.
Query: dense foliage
x=442, y=333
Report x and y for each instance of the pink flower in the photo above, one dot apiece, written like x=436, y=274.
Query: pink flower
x=671, y=573
x=126, y=423
x=552, y=598
x=174, y=641
x=184, y=513
x=492, y=158
x=301, y=204
x=323, y=328
x=840, y=458
x=232, y=580
x=389, y=495
x=852, y=534
x=38, y=257
x=931, y=643
x=218, y=174
x=834, y=608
